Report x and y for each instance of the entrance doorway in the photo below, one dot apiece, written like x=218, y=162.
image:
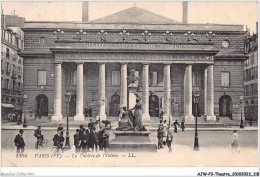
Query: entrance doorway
x=225, y=106
x=41, y=105
x=72, y=105
x=154, y=106
x=114, y=106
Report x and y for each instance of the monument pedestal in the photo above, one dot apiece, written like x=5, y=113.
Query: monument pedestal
x=129, y=141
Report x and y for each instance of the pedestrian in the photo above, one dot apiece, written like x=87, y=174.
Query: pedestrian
x=182, y=125
x=19, y=142
x=176, y=125
x=94, y=139
x=39, y=136
x=234, y=142
x=164, y=131
x=100, y=138
x=169, y=140
x=160, y=135
x=58, y=140
x=106, y=138
x=77, y=139
x=60, y=127
x=85, y=141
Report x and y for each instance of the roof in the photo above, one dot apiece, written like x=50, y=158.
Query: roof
x=135, y=15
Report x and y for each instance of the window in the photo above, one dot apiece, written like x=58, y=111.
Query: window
x=19, y=71
x=115, y=77
x=14, y=69
x=225, y=79
x=7, y=83
x=7, y=53
x=14, y=85
x=153, y=78
x=73, y=77
x=41, y=77
x=252, y=59
x=195, y=78
x=137, y=75
x=42, y=40
x=7, y=67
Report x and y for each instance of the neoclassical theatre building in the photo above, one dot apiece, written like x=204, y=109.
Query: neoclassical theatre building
x=174, y=61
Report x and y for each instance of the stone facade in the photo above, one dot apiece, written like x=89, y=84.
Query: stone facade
x=170, y=67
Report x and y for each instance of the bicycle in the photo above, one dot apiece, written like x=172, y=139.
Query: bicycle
x=56, y=149
x=41, y=143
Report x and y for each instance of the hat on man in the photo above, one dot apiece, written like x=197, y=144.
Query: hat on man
x=21, y=131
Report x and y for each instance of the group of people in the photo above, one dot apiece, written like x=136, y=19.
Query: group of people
x=164, y=135
x=93, y=138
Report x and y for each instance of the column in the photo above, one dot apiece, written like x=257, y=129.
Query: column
x=57, y=116
x=102, y=91
x=123, y=89
x=167, y=92
x=188, y=94
x=205, y=91
x=145, y=93
x=210, y=94
x=79, y=103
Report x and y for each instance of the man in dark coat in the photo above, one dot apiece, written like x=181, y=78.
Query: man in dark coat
x=176, y=125
x=100, y=138
x=160, y=135
x=182, y=125
x=39, y=136
x=169, y=140
x=105, y=138
x=85, y=141
x=60, y=127
x=58, y=140
x=19, y=142
x=77, y=137
x=94, y=139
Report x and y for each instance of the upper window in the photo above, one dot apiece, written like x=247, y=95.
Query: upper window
x=153, y=78
x=195, y=78
x=252, y=59
x=225, y=79
x=73, y=77
x=41, y=77
x=115, y=77
x=7, y=53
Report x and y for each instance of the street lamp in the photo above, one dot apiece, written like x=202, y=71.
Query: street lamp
x=67, y=96
x=196, y=138
x=241, y=102
x=24, y=106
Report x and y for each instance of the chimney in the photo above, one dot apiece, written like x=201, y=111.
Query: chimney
x=84, y=11
x=185, y=12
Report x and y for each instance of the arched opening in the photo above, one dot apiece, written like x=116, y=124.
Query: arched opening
x=225, y=106
x=41, y=105
x=72, y=105
x=153, y=106
x=114, y=106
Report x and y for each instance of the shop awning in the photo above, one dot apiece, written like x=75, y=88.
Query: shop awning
x=5, y=105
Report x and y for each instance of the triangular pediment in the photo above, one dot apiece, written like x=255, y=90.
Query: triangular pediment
x=135, y=15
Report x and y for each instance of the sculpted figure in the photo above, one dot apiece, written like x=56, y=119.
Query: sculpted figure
x=126, y=122
x=132, y=78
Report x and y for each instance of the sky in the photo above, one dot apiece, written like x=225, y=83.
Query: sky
x=233, y=12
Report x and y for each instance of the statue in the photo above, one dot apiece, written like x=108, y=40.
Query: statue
x=132, y=78
x=132, y=122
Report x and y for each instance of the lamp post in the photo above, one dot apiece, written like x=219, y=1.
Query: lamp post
x=196, y=138
x=24, y=106
x=67, y=96
x=241, y=102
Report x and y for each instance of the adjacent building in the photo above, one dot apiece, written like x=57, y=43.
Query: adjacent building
x=174, y=61
x=251, y=78
x=11, y=63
